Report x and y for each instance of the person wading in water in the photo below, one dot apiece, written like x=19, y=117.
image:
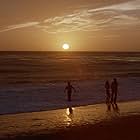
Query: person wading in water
x=114, y=89
x=107, y=88
x=69, y=89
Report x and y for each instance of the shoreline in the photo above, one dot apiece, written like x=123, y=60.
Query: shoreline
x=72, y=122
x=69, y=104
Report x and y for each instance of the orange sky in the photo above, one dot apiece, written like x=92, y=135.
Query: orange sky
x=91, y=25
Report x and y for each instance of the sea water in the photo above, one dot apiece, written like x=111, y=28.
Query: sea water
x=35, y=81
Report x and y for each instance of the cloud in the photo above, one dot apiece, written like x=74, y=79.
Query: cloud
x=95, y=19
x=126, y=6
x=19, y=26
x=116, y=16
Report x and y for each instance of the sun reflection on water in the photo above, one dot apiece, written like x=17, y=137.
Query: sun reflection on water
x=69, y=116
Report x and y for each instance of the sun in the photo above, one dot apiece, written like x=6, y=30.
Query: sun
x=65, y=46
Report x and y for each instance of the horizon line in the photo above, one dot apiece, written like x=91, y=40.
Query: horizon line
x=72, y=51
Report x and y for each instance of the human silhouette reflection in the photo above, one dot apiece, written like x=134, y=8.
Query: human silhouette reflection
x=70, y=110
x=69, y=116
x=114, y=107
x=108, y=107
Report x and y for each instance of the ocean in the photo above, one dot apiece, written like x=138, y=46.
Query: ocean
x=35, y=81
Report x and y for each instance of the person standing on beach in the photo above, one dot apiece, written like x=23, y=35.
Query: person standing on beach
x=69, y=89
x=114, y=90
x=107, y=87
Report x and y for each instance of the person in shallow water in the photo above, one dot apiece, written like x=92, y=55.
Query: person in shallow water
x=107, y=87
x=69, y=89
x=114, y=91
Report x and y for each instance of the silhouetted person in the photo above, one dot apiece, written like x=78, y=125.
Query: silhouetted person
x=69, y=89
x=107, y=88
x=114, y=90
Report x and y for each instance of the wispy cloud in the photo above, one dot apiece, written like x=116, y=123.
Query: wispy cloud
x=19, y=26
x=114, y=16
x=129, y=5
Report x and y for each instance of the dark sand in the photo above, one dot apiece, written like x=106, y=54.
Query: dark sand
x=124, y=126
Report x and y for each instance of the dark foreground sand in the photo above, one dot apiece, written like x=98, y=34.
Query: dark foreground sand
x=126, y=128
x=124, y=125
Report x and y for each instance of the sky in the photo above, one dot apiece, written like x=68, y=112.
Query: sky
x=86, y=25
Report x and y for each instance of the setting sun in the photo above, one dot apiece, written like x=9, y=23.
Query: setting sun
x=65, y=46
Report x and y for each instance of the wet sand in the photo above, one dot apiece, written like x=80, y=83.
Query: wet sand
x=88, y=122
x=126, y=128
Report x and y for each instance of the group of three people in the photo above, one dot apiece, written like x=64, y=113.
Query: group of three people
x=111, y=96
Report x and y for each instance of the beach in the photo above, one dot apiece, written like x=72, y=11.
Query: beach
x=33, y=104
x=119, y=129
x=70, y=70
x=85, y=122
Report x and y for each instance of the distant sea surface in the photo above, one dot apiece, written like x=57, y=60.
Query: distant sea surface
x=43, y=67
x=26, y=75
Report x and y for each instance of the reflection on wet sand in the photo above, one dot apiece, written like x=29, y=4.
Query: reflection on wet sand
x=69, y=111
x=63, y=118
x=115, y=108
x=69, y=115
